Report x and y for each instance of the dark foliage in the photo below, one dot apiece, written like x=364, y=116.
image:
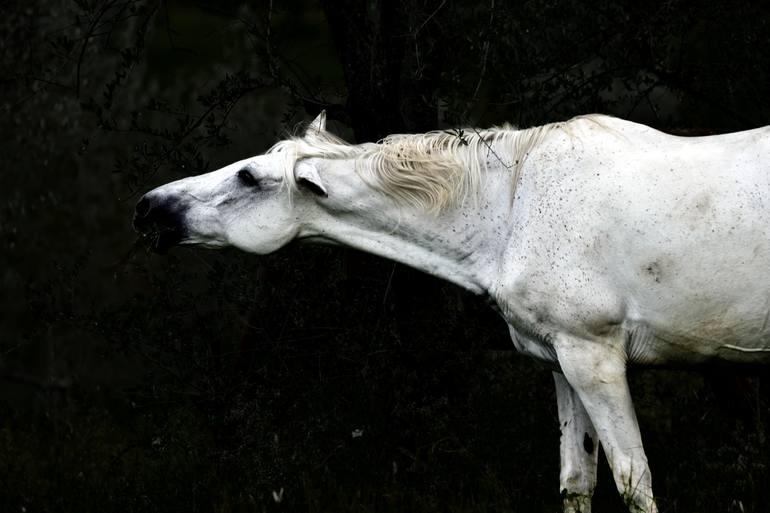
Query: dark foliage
x=320, y=379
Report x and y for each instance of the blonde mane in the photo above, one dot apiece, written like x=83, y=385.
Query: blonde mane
x=430, y=171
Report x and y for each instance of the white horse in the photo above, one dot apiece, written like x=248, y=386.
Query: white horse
x=602, y=242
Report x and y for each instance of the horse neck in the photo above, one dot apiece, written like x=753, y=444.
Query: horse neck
x=461, y=245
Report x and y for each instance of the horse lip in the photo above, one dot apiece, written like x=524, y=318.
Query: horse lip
x=141, y=224
x=165, y=240
x=145, y=224
x=159, y=237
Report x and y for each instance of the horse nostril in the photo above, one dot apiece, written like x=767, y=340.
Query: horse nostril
x=143, y=207
x=161, y=216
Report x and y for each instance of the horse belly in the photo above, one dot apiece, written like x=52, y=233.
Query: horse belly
x=670, y=345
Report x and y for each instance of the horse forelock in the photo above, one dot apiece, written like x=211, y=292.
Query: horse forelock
x=430, y=171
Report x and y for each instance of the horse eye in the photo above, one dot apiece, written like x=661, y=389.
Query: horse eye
x=247, y=179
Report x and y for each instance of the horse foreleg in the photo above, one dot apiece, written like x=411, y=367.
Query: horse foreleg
x=597, y=372
x=578, y=449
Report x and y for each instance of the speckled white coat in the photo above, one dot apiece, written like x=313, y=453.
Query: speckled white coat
x=622, y=246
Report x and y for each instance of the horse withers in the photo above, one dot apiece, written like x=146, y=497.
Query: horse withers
x=603, y=243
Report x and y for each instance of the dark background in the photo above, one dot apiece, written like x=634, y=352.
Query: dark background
x=321, y=379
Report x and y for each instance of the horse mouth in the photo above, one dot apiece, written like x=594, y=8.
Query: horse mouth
x=162, y=240
x=157, y=237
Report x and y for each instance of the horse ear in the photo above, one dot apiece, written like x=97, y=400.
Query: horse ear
x=318, y=124
x=307, y=176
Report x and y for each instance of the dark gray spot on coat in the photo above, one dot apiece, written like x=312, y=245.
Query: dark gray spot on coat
x=703, y=203
x=653, y=270
x=588, y=444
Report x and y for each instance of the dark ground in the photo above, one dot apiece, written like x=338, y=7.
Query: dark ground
x=320, y=379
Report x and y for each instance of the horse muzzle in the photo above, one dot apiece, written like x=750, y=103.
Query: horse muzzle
x=159, y=219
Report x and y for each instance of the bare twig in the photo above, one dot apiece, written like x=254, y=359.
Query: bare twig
x=486, y=50
x=89, y=34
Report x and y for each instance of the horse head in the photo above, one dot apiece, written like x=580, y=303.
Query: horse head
x=256, y=204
